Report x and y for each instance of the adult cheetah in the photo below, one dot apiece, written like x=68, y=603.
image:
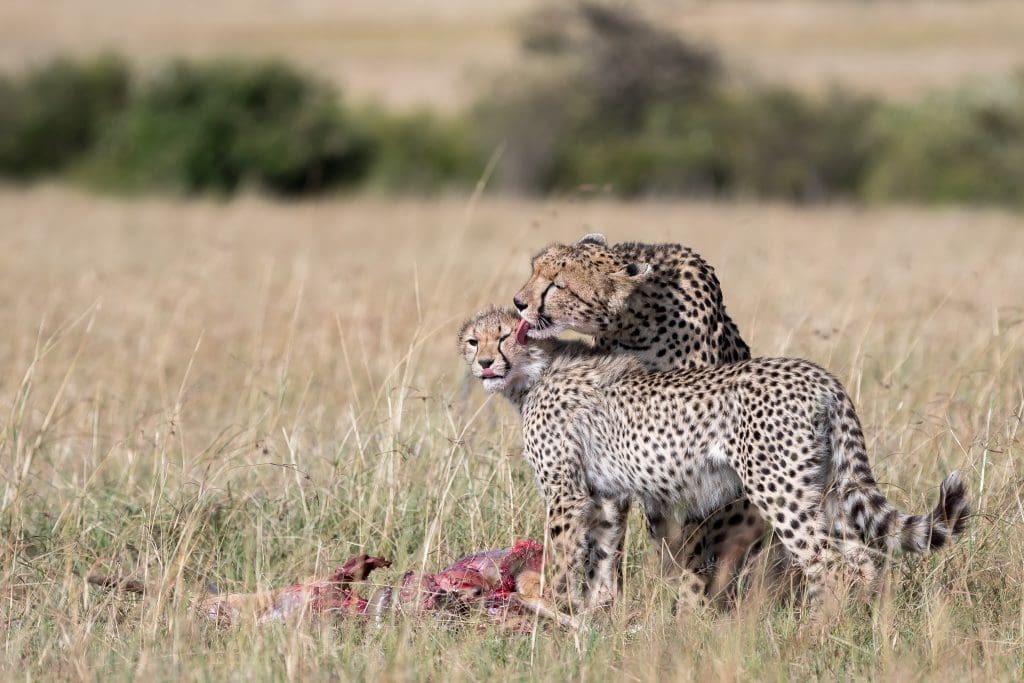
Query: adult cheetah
x=781, y=430
x=662, y=304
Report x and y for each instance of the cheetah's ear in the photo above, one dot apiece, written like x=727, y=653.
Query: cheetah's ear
x=593, y=238
x=635, y=271
x=624, y=281
x=466, y=324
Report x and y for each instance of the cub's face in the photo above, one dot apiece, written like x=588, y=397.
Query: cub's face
x=580, y=287
x=489, y=346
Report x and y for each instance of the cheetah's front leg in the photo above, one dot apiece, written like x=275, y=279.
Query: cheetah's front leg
x=567, y=515
x=606, y=532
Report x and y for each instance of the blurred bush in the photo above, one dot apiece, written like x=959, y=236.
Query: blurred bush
x=54, y=114
x=217, y=127
x=615, y=102
x=965, y=146
x=582, y=105
x=609, y=101
x=624, y=63
x=602, y=100
x=783, y=145
x=676, y=149
x=421, y=152
x=220, y=125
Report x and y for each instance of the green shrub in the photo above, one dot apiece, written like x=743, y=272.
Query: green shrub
x=624, y=63
x=783, y=145
x=532, y=120
x=216, y=126
x=583, y=115
x=678, y=149
x=961, y=147
x=618, y=103
x=604, y=101
x=765, y=143
x=54, y=114
x=421, y=152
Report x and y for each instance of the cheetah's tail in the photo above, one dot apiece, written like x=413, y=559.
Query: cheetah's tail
x=876, y=520
x=925, y=533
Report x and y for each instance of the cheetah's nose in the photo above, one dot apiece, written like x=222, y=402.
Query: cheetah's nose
x=519, y=304
x=485, y=363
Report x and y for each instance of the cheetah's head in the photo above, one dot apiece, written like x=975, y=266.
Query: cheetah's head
x=581, y=287
x=493, y=344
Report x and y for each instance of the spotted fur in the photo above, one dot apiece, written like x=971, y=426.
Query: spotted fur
x=662, y=304
x=487, y=344
x=783, y=432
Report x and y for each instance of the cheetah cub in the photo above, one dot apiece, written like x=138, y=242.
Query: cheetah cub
x=781, y=430
x=706, y=550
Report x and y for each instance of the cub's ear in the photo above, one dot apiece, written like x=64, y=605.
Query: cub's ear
x=460, y=340
x=638, y=271
x=593, y=238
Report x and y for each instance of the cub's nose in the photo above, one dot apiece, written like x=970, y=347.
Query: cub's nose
x=485, y=363
x=520, y=305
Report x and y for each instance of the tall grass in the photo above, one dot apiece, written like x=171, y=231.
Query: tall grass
x=249, y=392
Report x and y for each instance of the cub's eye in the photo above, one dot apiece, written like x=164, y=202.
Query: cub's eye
x=471, y=342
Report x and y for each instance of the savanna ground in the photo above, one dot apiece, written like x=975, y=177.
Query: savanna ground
x=438, y=53
x=246, y=393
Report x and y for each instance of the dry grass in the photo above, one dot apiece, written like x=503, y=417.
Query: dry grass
x=415, y=52
x=246, y=393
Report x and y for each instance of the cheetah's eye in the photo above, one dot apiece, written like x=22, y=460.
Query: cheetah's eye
x=471, y=342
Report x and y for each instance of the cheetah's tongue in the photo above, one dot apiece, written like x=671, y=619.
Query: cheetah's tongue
x=521, y=331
